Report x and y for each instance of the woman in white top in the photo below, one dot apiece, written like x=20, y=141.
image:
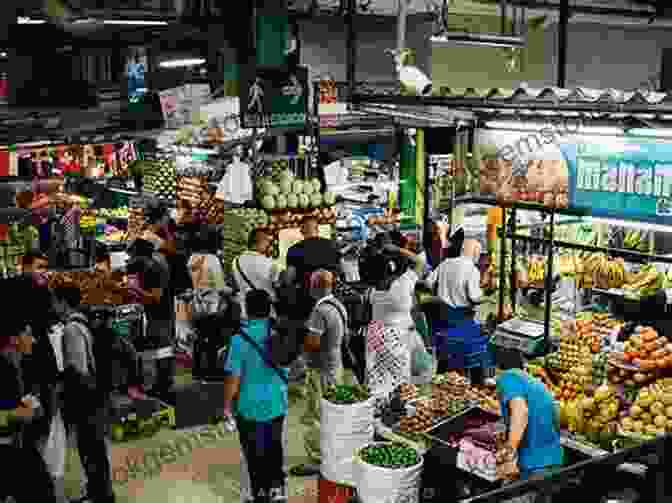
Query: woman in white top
x=392, y=332
x=255, y=269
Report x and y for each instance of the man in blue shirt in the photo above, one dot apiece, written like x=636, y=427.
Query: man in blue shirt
x=260, y=393
x=533, y=427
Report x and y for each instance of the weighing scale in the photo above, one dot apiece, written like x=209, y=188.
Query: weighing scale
x=525, y=336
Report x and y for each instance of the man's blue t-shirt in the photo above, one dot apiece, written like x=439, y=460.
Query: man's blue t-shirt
x=540, y=446
x=263, y=394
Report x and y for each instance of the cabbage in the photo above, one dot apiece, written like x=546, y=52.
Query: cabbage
x=304, y=201
x=285, y=186
x=308, y=188
x=273, y=190
x=298, y=187
x=329, y=198
x=292, y=201
x=268, y=202
x=317, y=185
x=281, y=202
x=316, y=200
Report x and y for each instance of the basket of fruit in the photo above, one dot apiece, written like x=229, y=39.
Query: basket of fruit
x=388, y=471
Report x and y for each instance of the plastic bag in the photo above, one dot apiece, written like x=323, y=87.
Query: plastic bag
x=376, y=484
x=344, y=429
x=54, y=449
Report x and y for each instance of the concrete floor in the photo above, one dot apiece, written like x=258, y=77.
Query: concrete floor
x=206, y=473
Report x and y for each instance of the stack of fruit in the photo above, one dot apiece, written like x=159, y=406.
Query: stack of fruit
x=236, y=228
x=286, y=192
x=343, y=394
x=600, y=368
x=651, y=414
x=598, y=413
x=648, y=351
x=407, y=392
x=160, y=178
x=603, y=326
x=574, y=351
x=393, y=455
x=422, y=420
x=633, y=240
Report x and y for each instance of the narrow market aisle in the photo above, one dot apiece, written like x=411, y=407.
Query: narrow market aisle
x=204, y=467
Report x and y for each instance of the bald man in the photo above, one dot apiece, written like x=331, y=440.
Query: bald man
x=457, y=281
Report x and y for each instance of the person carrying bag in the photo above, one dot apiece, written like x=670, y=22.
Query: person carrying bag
x=259, y=389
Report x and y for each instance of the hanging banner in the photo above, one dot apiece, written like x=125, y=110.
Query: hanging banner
x=609, y=176
x=274, y=98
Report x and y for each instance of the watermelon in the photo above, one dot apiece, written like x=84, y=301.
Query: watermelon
x=316, y=200
x=281, y=202
x=329, y=198
x=304, y=201
x=268, y=202
x=292, y=201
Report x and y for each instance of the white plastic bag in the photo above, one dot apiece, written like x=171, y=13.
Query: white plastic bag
x=344, y=429
x=54, y=449
x=376, y=484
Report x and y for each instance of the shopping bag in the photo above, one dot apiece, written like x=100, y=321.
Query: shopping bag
x=54, y=449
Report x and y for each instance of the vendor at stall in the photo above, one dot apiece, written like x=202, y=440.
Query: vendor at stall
x=531, y=446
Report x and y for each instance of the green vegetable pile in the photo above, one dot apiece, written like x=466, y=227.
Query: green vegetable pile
x=390, y=455
x=344, y=394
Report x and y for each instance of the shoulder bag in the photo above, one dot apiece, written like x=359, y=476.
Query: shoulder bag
x=269, y=362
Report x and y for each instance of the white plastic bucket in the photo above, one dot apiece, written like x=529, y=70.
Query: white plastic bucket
x=376, y=484
x=344, y=429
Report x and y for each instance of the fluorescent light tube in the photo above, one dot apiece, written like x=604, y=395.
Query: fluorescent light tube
x=27, y=20
x=662, y=133
x=633, y=225
x=538, y=126
x=477, y=39
x=3, y=54
x=181, y=63
x=137, y=22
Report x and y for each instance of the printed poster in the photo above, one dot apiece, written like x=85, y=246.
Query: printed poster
x=628, y=178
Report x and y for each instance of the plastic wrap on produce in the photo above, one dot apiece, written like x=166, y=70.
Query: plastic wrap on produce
x=376, y=484
x=476, y=460
x=344, y=430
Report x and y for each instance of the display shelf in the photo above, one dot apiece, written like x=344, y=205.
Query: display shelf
x=568, y=441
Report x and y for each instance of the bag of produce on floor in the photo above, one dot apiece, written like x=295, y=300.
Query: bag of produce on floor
x=346, y=426
x=388, y=472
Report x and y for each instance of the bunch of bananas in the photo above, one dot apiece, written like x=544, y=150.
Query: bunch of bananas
x=117, y=236
x=633, y=241
x=536, y=270
x=87, y=222
x=599, y=271
x=645, y=282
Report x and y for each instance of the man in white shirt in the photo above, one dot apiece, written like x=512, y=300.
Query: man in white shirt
x=254, y=269
x=457, y=281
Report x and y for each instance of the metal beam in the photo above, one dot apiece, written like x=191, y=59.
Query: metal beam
x=585, y=9
x=563, y=28
x=484, y=105
x=351, y=47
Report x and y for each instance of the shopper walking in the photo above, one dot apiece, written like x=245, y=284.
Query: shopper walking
x=327, y=328
x=261, y=405
x=149, y=278
x=86, y=399
x=531, y=445
x=19, y=458
x=255, y=269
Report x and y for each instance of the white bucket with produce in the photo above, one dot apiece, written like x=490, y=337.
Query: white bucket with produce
x=344, y=429
x=388, y=472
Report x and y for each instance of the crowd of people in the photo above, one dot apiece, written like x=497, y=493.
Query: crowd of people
x=55, y=355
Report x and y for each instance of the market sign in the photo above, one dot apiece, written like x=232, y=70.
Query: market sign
x=608, y=176
x=274, y=98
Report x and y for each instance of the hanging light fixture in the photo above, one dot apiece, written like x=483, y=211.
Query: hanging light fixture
x=182, y=62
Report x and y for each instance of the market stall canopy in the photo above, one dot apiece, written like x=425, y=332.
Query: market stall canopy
x=605, y=104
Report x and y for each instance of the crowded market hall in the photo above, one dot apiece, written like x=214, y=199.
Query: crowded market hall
x=354, y=251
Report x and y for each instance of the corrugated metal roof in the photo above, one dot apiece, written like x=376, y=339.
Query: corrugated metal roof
x=522, y=94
